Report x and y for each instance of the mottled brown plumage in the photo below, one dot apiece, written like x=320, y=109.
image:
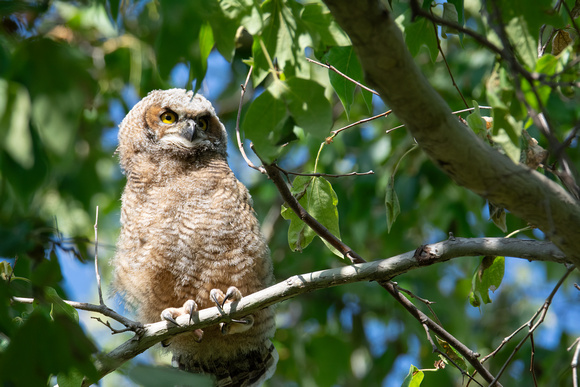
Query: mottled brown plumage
x=188, y=227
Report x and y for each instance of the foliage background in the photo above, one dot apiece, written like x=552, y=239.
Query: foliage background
x=69, y=72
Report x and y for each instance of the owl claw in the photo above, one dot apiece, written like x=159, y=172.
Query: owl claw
x=233, y=294
x=170, y=314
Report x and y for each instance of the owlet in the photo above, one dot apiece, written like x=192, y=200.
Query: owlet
x=190, y=238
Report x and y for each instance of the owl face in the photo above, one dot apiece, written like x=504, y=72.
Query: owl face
x=173, y=122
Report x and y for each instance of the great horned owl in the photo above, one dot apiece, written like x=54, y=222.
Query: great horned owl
x=189, y=234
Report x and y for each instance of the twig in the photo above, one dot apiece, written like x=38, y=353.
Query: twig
x=332, y=68
x=423, y=300
x=108, y=325
x=337, y=131
x=323, y=174
x=445, y=60
x=101, y=302
x=134, y=326
x=532, y=326
x=575, y=361
x=238, y=136
x=455, y=112
x=532, y=355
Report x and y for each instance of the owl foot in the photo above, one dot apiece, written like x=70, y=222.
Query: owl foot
x=231, y=295
x=170, y=314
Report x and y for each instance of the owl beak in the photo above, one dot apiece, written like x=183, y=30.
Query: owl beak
x=189, y=131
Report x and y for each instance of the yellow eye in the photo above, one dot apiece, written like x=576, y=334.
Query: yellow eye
x=168, y=117
x=202, y=123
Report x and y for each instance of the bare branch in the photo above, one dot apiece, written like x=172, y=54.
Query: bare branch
x=238, y=136
x=323, y=174
x=337, y=131
x=381, y=271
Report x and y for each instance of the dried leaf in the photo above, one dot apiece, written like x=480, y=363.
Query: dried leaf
x=561, y=40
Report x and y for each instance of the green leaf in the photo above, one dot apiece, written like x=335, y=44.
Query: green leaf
x=322, y=26
x=73, y=378
x=523, y=43
x=299, y=234
x=421, y=33
x=451, y=353
x=488, y=276
x=504, y=139
x=316, y=196
x=309, y=106
x=413, y=378
x=476, y=121
x=267, y=115
x=344, y=60
x=279, y=37
x=546, y=65
x=498, y=216
x=172, y=46
x=199, y=63
x=267, y=121
x=15, y=119
x=60, y=347
x=59, y=306
x=450, y=15
x=323, y=207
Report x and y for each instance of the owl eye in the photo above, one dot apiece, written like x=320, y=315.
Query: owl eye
x=168, y=117
x=203, y=123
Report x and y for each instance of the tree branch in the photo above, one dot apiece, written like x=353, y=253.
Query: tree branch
x=382, y=271
x=471, y=163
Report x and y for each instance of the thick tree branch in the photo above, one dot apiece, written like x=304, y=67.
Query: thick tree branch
x=470, y=162
x=381, y=271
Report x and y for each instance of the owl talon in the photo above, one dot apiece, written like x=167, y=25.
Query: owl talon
x=168, y=314
x=237, y=326
x=233, y=294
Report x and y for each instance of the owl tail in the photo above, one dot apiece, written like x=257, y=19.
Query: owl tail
x=249, y=369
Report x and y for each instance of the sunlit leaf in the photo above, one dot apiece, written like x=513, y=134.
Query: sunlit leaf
x=413, y=378
x=317, y=197
x=488, y=276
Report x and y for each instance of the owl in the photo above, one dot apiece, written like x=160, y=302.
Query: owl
x=190, y=238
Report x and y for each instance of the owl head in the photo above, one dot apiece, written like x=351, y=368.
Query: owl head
x=171, y=123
